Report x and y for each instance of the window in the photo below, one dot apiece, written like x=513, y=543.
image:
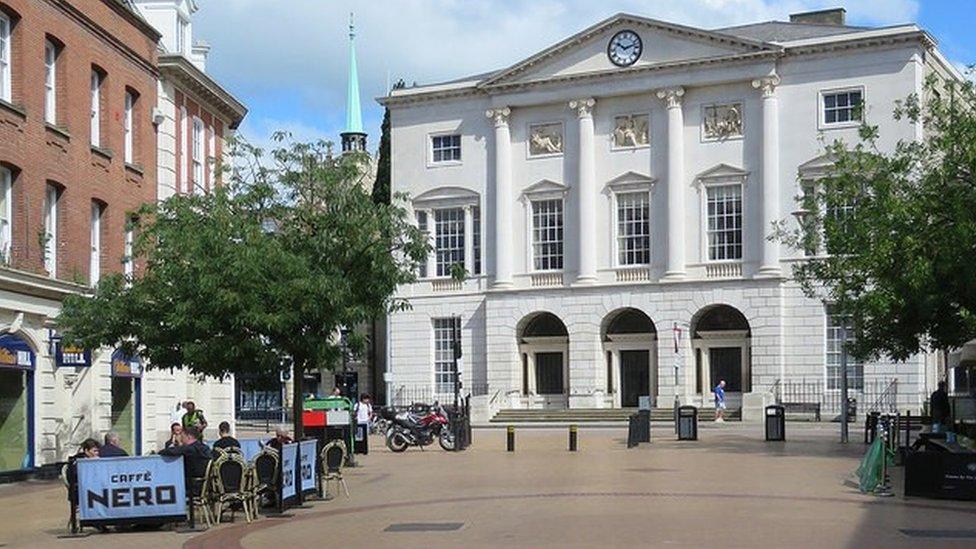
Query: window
x=5, y=58
x=547, y=235
x=6, y=213
x=476, y=236
x=855, y=368
x=130, y=102
x=211, y=156
x=51, y=198
x=50, y=82
x=422, y=225
x=724, y=214
x=95, y=256
x=128, y=262
x=449, y=239
x=446, y=148
x=808, y=204
x=444, y=374
x=96, y=108
x=197, y=148
x=633, y=229
x=184, y=149
x=843, y=107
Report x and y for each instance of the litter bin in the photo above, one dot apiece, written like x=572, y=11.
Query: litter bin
x=775, y=422
x=687, y=423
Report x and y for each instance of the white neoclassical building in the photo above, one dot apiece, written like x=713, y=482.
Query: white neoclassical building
x=610, y=198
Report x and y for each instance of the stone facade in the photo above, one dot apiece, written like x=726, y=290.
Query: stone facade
x=778, y=101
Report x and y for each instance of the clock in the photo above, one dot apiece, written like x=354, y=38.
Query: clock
x=625, y=48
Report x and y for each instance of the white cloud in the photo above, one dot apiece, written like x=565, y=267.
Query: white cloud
x=295, y=51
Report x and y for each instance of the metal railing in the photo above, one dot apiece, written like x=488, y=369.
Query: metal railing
x=882, y=394
x=405, y=395
x=887, y=401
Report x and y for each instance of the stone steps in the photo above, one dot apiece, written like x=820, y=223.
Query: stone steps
x=595, y=415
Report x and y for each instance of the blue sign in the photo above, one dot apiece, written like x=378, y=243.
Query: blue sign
x=289, y=460
x=124, y=365
x=128, y=489
x=68, y=356
x=307, y=450
x=15, y=353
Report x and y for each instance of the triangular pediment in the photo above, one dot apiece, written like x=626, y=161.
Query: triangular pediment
x=586, y=52
x=629, y=181
x=545, y=187
x=445, y=196
x=723, y=172
x=816, y=167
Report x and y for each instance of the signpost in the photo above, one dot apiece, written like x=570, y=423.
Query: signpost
x=131, y=490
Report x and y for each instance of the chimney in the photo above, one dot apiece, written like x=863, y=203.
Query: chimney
x=834, y=16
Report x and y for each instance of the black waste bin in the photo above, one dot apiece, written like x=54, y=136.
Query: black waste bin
x=687, y=423
x=775, y=422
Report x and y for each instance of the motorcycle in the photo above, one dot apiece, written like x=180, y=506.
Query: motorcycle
x=411, y=428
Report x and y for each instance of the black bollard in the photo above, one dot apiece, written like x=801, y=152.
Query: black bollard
x=511, y=438
x=573, y=438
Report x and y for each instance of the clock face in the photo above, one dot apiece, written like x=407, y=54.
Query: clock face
x=625, y=48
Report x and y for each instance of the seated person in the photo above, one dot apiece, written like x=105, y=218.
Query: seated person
x=196, y=457
x=89, y=449
x=112, y=447
x=225, y=441
x=175, y=435
x=281, y=438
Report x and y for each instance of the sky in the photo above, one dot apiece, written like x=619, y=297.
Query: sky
x=287, y=60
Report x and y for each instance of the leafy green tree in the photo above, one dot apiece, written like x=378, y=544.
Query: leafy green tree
x=381, y=187
x=894, y=231
x=258, y=274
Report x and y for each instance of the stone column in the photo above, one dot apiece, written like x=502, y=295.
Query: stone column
x=586, y=180
x=469, y=239
x=503, y=197
x=769, y=189
x=675, y=183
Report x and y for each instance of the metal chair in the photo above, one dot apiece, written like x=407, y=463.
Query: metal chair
x=231, y=484
x=198, y=492
x=333, y=458
x=263, y=471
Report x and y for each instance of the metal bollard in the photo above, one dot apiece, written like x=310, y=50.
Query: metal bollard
x=573, y=438
x=511, y=438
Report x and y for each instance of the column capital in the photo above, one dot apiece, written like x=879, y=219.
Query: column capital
x=671, y=96
x=767, y=84
x=583, y=107
x=499, y=115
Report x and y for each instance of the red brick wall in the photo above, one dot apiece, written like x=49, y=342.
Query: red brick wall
x=93, y=33
x=184, y=144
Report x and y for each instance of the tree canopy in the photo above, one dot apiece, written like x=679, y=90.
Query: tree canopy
x=258, y=273
x=892, y=231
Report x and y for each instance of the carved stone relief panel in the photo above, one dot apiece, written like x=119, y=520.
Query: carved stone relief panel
x=545, y=139
x=722, y=121
x=630, y=130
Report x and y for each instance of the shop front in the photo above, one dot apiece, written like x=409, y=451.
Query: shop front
x=127, y=400
x=17, y=363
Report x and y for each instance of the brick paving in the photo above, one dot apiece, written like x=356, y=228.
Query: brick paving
x=729, y=489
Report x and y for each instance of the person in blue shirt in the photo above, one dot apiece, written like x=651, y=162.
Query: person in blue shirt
x=720, y=401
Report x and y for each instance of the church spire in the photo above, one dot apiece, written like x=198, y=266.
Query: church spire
x=353, y=137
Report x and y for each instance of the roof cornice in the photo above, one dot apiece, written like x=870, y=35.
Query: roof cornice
x=110, y=39
x=28, y=283
x=179, y=69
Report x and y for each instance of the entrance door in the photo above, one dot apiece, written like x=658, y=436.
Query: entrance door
x=634, y=377
x=124, y=412
x=549, y=374
x=726, y=363
x=14, y=402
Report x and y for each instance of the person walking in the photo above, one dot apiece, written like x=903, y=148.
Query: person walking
x=939, y=409
x=193, y=418
x=720, y=401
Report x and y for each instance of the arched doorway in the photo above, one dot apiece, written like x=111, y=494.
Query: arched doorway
x=721, y=343
x=630, y=351
x=544, y=352
x=17, y=364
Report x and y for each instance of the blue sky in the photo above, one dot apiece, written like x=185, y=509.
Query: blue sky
x=287, y=59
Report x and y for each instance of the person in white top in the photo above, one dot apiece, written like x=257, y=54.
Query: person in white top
x=364, y=410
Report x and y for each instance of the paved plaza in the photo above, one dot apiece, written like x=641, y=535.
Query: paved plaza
x=729, y=489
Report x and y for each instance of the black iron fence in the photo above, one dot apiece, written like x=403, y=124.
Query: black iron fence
x=878, y=395
x=406, y=395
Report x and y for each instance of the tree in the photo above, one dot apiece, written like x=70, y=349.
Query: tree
x=896, y=230
x=381, y=187
x=258, y=274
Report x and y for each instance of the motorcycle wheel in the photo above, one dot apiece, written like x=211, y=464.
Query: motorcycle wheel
x=396, y=442
x=446, y=440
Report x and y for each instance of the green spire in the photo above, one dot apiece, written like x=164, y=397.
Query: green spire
x=354, y=114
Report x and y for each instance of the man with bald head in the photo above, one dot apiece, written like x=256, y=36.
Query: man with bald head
x=112, y=446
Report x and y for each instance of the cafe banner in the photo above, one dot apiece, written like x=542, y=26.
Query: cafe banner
x=289, y=460
x=307, y=451
x=130, y=489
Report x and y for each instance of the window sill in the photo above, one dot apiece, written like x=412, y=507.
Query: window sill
x=16, y=110
x=107, y=154
x=445, y=164
x=135, y=168
x=60, y=131
x=839, y=125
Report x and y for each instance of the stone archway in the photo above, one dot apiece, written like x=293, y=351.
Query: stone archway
x=543, y=344
x=630, y=354
x=722, y=344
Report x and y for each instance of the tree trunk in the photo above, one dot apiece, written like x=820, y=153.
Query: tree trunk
x=297, y=399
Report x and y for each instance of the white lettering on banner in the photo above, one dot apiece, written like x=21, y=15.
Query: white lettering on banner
x=307, y=451
x=131, y=488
